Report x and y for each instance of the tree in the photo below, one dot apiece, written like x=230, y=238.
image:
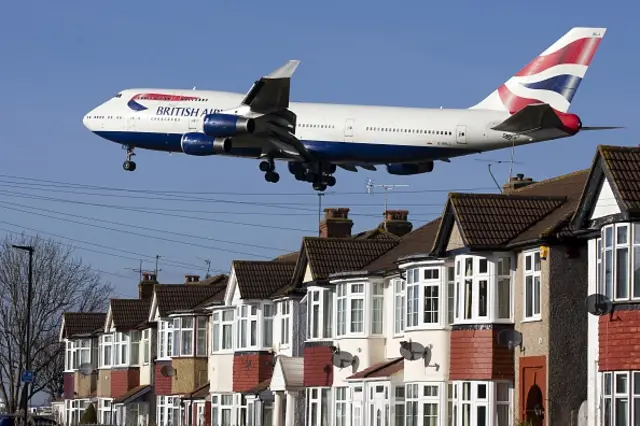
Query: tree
x=61, y=283
x=89, y=417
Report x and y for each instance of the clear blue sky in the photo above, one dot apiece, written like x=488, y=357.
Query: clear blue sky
x=61, y=59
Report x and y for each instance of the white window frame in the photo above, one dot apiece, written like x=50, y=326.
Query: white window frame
x=104, y=411
x=247, y=319
x=320, y=327
x=609, y=286
x=413, y=299
x=398, y=288
x=284, y=315
x=183, y=332
x=166, y=412
x=165, y=339
x=135, y=338
x=320, y=399
x=450, y=274
x=431, y=295
x=121, y=355
x=377, y=308
x=223, y=324
x=466, y=393
x=105, y=343
x=419, y=399
x=146, y=346
x=268, y=315
x=614, y=394
x=222, y=403
x=503, y=275
x=201, y=325
x=398, y=411
x=529, y=271
x=342, y=405
x=356, y=297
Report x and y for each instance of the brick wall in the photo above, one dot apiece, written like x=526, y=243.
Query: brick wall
x=475, y=354
x=318, y=367
x=619, y=340
x=123, y=380
x=162, y=384
x=250, y=369
x=68, y=386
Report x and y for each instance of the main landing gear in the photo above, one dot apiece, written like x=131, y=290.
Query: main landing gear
x=129, y=165
x=269, y=169
x=318, y=174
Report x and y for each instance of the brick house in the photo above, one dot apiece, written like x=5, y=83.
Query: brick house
x=608, y=218
x=79, y=334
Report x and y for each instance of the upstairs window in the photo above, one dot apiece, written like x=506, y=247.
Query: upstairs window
x=359, y=309
x=532, y=291
x=377, y=309
x=182, y=336
x=146, y=346
x=106, y=351
x=267, y=330
x=255, y=326
x=319, y=314
x=618, y=261
x=165, y=339
x=222, y=330
x=134, y=344
x=284, y=309
x=423, y=296
x=120, y=349
x=398, y=306
x=201, y=336
x=483, y=289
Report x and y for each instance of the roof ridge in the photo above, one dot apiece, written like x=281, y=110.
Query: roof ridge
x=550, y=180
x=507, y=196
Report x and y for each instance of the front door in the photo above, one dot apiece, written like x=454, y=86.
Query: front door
x=379, y=405
x=533, y=378
x=461, y=134
x=348, y=129
x=193, y=124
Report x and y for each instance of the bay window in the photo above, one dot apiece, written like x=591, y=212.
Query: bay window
x=422, y=404
x=359, y=308
x=134, y=337
x=187, y=332
x=319, y=407
x=146, y=345
x=477, y=403
x=532, y=276
x=120, y=349
x=483, y=289
x=255, y=326
x=618, y=261
x=201, y=336
x=104, y=411
x=222, y=330
x=284, y=309
x=106, y=352
x=424, y=297
x=621, y=398
x=342, y=406
x=267, y=326
x=221, y=409
x=398, y=405
x=398, y=306
x=377, y=308
x=167, y=410
x=77, y=352
x=165, y=339
x=319, y=314
x=451, y=293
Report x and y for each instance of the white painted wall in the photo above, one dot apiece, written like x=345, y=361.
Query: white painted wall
x=593, y=378
x=221, y=373
x=416, y=371
x=606, y=204
x=369, y=351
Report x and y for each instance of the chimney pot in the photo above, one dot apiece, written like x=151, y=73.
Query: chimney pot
x=191, y=278
x=397, y=223
x=336, y=223
x=516, y=182
x=145, y=287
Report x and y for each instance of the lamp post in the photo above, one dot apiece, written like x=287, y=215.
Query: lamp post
x=25, y=390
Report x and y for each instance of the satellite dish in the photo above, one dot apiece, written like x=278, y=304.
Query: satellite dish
x=85, y=369
x=413, y=351
x=599, y=304
x=342, y=359
x=168, y=371
x=509, y=338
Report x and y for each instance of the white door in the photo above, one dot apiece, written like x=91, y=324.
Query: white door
x=348, y=129
x=193, y=124
x=461, y=134
x=379, y=407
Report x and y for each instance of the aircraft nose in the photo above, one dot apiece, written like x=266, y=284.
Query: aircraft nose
x=87, y=119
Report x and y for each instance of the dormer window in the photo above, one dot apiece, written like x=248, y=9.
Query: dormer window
x=483, y=289
x=618, y=248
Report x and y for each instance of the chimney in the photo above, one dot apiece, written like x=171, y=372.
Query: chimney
x=191, y=278
x=145, y=288
x=396, y=222
x=336, y=223
x=516, y=182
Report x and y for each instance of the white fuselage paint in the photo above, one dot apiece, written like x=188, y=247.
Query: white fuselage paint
x=338, y=132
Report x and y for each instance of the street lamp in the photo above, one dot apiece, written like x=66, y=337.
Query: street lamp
x=25, y=391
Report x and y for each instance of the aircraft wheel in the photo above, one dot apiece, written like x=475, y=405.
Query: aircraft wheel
x=266, y=166
x=330, y=180
x=319, y=186
x=310, y=177
x=129, y=166
x=299, y=175
x=272, y=177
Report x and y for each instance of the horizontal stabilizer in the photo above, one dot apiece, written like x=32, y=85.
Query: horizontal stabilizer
x=601, y=127
x=530, y=118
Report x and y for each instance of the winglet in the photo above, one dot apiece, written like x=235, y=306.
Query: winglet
x=285, y=71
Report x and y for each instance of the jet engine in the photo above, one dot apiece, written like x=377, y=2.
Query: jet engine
x=226, y=125
x=200, y=144
x=410, y=168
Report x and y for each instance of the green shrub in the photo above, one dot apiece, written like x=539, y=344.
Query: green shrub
x=89, y=417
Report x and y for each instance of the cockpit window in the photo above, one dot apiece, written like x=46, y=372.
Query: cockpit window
x=119, y=95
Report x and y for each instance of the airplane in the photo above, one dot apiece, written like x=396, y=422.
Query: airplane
x=316, y=138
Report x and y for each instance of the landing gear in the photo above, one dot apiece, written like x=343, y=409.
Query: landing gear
x=268, y=167
x=129, y=165
x=317, y=174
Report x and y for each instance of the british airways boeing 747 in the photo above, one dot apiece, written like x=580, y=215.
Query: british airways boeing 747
x=316, y=138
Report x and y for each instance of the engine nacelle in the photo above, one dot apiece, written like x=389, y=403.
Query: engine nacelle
x=226, y=125
x=200, y=144
x=410, y=168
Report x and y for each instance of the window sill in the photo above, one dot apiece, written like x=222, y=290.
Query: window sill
x=426, y=327
x=531, y=320
x=320, y=339
x=223, y=352
x=359, y=337
x=482, y=321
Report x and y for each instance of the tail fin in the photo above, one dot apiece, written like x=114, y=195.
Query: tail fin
x=553, y=77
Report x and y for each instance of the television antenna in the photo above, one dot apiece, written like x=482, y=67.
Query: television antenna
x=157, y=270
x=139, y=270
x=208, y=263
x=490, y=161
x=386, y=188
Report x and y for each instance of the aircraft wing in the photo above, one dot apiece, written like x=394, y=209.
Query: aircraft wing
x=271, y=93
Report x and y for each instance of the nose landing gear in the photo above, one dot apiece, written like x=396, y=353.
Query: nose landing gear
x=129, y=165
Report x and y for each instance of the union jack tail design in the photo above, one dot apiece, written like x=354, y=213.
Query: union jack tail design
x=552, y=78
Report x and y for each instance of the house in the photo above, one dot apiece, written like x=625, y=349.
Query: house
x=608, y=216
x=79, y=333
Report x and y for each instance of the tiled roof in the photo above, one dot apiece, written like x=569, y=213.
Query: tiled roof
x=83, y=323
x=289, y=257
x=330, y=255
x=380, y=370
x=132, y=394
x=218, y=297
x=259, y=388
x=182, y=297
x=260, y=279
x=418, y=241
x=127, y=314
x=622, y=166
x=375, y=234
x=214, y=280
